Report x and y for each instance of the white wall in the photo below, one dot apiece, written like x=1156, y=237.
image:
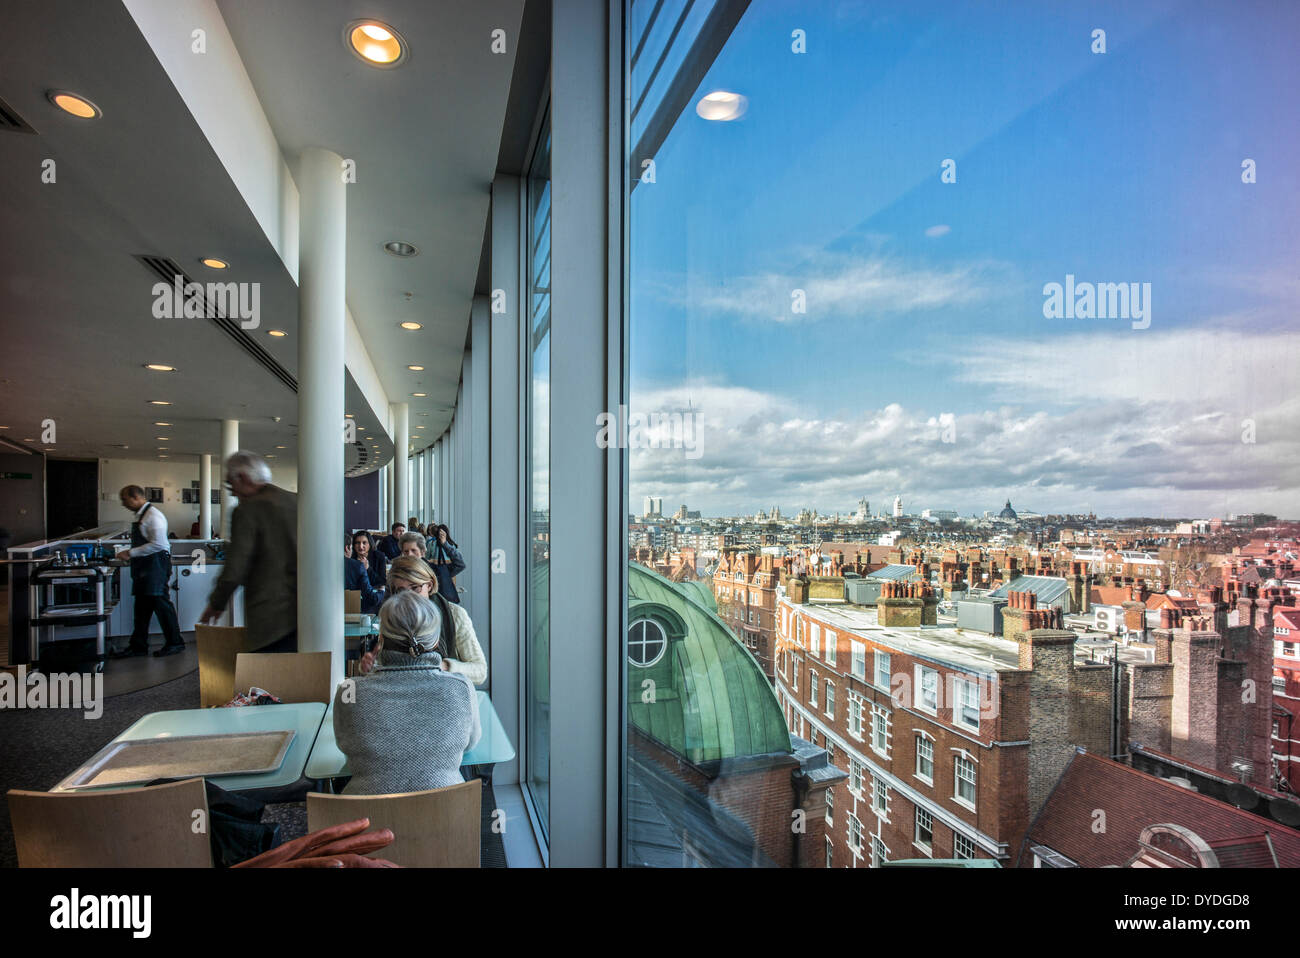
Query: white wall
x=172, y=477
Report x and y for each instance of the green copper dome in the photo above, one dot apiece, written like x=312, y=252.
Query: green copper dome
x=702, y=695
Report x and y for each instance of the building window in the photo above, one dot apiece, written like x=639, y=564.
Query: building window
x=830, y=806
x=962, y=847
x=882, y=670
x=879, y=853
x=830, y=647
x=925, y=759
x=855, y=833
x=855, y=716
x=815, y=639
x=1288, y=649
x=967, y=704
x=858, y=664
x=646, y=643
x=855, y=776
x=879, y=796
x=812, y=688
x=830, y=700
x=923, y=834
x=964, y=784
x=829, y=846
x=927, y=689
x=795, y=672
x=880, y=730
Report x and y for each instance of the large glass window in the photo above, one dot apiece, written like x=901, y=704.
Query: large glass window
x=537, y=652
x=873, y=253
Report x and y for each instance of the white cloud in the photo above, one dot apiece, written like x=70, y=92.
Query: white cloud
x=941, y=229
x=1116, y=455
x=843, y=285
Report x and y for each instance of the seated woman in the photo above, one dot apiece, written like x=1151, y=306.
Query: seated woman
x=458, y=646
x=356, y=580
x=374, y=561
x=406, y=725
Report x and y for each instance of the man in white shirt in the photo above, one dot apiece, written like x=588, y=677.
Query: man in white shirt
x=151, y=566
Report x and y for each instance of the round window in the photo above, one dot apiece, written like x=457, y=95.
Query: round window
x=646, y=642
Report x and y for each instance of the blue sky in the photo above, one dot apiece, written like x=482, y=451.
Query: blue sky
x=925, y=298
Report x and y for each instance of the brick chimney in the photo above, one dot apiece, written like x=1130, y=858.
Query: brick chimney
x=1048, y=655
x=797, y=588
x=900, y=605
x=1194, y=712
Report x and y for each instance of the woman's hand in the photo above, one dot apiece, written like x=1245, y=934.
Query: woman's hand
x=367, y=663
x=446, y=665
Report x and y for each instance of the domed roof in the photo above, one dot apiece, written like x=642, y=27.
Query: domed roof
x=1007, y=512
x=711, y=699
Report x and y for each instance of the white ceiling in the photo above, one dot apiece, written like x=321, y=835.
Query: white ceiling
x=75, y=305
x=425, y=136
x=76, y=318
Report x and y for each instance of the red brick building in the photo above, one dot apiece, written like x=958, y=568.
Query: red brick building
x=954, y=739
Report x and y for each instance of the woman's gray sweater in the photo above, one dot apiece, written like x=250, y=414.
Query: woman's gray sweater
x=405, y=726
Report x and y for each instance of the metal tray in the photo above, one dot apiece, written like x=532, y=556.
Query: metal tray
x=183, y=756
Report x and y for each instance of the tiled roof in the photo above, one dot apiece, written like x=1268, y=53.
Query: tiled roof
x=1286, y=618
x=1132, y=801
x=1048, y=589
x=1109, y=595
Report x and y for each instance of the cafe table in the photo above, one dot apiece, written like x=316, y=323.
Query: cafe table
x=327, y=762
x=304, y=718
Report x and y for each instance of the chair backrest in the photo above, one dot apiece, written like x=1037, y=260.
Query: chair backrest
x=351, y=601
x=440, y=828
x=289, y=676
x=218, y=646
x=114, y=828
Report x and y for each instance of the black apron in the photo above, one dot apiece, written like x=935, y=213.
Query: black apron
x=149, y=574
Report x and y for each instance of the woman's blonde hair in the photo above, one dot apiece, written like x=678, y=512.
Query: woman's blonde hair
x=409, y=623
x=410, y=569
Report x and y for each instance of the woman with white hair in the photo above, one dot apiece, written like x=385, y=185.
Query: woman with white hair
x=406, y=726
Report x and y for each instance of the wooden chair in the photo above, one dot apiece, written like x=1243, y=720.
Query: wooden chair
x=218, y=647
x=439, y=828
x=352, y=601
x=114, y=828
x=289, y=676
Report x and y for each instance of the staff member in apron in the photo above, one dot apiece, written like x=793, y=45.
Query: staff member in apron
x=151, y=567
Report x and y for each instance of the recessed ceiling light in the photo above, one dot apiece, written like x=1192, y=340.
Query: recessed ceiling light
x=74, y=104
x=421, y=427
x=409, y=325
x=162, y=448
x=277, y=333
x=722, y=105
x=280, y=447
x=420, y=395
x=159, y=402
x=211, y=262
x=162, y=424
x=160, y=368
x=376, y=43
x=348, y=415
x=416, y=369
x=398, y=248
x=4, y=427
x=29, y=440
x=164, y=457
x=270, y=455
x=163, y=438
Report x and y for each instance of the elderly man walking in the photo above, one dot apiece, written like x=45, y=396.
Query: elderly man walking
x=262, y=557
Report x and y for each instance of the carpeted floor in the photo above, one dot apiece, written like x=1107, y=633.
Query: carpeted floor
x=40, y=747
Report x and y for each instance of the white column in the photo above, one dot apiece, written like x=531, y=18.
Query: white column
x=322, y=288
x=229, y=446
x=205, y=496
x=401, y=471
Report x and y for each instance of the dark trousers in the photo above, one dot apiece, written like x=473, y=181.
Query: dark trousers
x=147, y=606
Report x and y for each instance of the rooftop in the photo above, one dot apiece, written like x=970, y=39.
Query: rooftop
x=960, y=648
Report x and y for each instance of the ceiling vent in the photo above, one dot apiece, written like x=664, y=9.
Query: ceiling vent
x=167, y=270
x=11, y=121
